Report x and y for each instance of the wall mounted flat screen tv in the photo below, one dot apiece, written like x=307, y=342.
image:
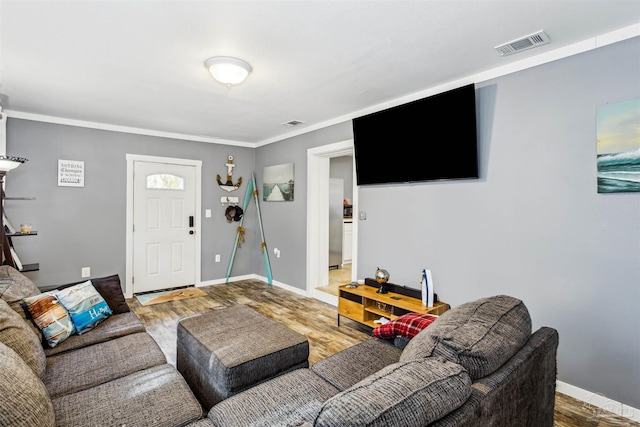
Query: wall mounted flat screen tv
x=430, y=139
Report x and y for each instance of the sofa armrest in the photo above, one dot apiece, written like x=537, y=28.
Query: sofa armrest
x=520, y=392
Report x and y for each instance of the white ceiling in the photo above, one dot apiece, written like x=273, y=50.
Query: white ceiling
x=139, y=64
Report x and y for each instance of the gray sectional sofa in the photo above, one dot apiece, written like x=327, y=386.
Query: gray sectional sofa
x=479, y=364
x=113, y=375
x=476, y=365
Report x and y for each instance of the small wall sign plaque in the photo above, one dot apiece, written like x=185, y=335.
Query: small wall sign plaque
x=70, y=173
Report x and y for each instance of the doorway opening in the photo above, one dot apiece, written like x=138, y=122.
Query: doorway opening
x=318, y=162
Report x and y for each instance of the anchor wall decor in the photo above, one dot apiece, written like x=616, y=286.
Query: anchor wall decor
x=229, y=185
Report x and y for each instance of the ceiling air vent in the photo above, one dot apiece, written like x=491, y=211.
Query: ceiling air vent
x=528, y=42
x=293, y=123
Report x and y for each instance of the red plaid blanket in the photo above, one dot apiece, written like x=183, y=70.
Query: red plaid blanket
x=408, y=326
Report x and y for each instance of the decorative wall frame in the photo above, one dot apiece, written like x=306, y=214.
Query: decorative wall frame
x=278, y=183
x=70, y=173
x=618, y=147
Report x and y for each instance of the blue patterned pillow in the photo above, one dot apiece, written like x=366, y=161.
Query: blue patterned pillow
x=85, y=305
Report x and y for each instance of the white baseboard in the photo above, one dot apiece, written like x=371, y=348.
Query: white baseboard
x=231, y=279
x=325, y=297
x=601, y=402
x=255, y=277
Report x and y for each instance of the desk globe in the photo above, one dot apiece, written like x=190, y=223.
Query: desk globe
x=382, y=277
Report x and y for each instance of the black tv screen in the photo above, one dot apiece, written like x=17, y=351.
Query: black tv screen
x=430, y=139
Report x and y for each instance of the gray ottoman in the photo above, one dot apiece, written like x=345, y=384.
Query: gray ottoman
x=224, y=352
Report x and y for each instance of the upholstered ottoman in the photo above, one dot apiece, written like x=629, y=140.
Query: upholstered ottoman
x=224, y=352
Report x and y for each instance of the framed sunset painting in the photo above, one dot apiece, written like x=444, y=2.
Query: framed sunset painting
x=618, y=147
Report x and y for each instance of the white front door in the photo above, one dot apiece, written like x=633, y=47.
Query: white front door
x=164, y=209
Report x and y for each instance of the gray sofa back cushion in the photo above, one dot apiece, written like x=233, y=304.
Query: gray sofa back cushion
x=14, y=286
x=480, y=335
x=413, y=393
x=24, y=399
x=18, y=335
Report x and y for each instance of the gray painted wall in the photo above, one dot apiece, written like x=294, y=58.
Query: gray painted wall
x=533, y=226
x=285, y=223
x=85, y=227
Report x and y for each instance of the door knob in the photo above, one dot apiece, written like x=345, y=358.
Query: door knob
x=191, y=221
x=191, y=231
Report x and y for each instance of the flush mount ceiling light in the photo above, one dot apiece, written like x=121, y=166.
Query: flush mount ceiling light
x=228, y=70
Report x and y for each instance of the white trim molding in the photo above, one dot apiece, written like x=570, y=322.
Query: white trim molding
x=318, y=159
x=125, y=129
x=600, y=405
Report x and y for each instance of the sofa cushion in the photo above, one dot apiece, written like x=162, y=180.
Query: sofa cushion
x=355, y=363
x=480, y=335
x=24, y=398
x=282, y=401
x=51, y=317
x=14, y=285
x=78, y=370
x=115, y=326
x=85, y=305
x=157, y=396
x=16, y=333
x=413, y=393
x=408, y=325
x=110, y=289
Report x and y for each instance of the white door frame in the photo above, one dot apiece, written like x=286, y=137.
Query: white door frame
x=131, y=158
x=318, y=159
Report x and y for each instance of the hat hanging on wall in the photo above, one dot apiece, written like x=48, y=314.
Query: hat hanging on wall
x=233, y=213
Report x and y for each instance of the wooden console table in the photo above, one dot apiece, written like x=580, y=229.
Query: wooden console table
x=364, y=305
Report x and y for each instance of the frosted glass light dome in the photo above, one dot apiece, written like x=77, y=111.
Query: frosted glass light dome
x=228, y=70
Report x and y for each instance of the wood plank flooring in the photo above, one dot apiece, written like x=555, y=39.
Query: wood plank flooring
x=316, y=320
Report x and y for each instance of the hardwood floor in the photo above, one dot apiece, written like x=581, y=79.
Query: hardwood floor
x=316, y=320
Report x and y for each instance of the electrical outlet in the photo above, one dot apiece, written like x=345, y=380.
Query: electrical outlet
x=86, y=272
x=217, y=257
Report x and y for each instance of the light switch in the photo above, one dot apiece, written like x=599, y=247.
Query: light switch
x=207, y=213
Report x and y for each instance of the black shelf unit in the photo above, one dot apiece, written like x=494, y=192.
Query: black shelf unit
x=7, y=243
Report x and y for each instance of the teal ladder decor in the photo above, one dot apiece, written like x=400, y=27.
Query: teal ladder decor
x=251, y=191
